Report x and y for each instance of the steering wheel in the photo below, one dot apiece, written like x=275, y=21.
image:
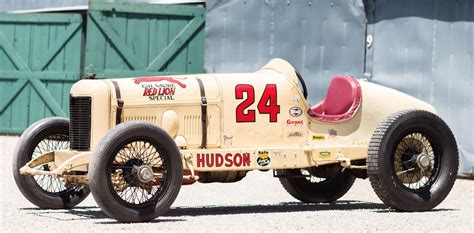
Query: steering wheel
x=303, y=84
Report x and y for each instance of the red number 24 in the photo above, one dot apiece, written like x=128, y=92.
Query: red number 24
x=266, y=105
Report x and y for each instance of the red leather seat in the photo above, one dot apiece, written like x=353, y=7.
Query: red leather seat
x=341, y=102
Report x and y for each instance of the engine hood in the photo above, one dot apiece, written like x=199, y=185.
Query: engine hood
x=164, y=90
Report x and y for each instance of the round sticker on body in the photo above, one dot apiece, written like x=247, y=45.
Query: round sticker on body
x=296, y=111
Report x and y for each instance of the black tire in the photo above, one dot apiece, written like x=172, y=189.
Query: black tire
x=45, y=191
x=394, y=170
x=313, y=189
x=116, y=158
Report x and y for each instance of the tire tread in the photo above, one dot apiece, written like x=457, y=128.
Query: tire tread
x=373, y=157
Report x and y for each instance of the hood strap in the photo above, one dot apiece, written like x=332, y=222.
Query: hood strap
x=118, y=96
x=203, y=113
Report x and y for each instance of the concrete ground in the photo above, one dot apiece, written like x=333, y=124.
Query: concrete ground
x=258, y=203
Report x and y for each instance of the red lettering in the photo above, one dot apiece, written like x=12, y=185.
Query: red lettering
x=266, y=105
x=149, y=91
x=200, y=160
x=228, y=160
x=172, y=90
x=241, y=114
x=268, y=102
x=237, y=160
x=209, y=160
x=246, y=160
x=290, y=122
x=219, y=160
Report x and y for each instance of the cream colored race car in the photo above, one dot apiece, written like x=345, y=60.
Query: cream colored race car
x=133, y=142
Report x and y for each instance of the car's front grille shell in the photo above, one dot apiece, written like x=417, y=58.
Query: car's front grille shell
x=80, y=122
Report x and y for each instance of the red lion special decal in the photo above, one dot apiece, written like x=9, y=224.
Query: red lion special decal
x=219, y=160
x=159, y=79
x=159, y=91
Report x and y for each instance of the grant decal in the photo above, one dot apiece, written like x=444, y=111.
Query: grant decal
x=294, y=122
x=160, y=88
x=220, y=160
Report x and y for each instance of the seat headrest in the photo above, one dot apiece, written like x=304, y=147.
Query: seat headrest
x=342, y=92
x=341, y=102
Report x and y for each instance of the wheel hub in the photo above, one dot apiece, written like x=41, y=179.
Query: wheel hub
x=144, y=173
x=130, y=174
x=423, y=161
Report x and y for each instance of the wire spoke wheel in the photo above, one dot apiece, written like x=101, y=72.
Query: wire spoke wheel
x=48, y=183
x=415, y=162
x=137, y=172
x=412, y=160
x=46, y=191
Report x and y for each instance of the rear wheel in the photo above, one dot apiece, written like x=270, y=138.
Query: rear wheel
x=45, y=191
x=412, y=160
x=136, y=172
x=314, y=187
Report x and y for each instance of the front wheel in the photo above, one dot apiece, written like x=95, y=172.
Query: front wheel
x=136, y=172
x=412, y=160
x=45, y=191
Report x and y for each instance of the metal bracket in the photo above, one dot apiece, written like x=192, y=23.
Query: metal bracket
x=346, y=163
x=189, y=163
x=203, y=101
x=66, y=166
x=42, y=159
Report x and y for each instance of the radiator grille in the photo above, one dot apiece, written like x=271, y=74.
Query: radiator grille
x=80, y=123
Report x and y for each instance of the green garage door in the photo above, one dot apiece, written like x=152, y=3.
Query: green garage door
x=40, y=58
x=125, y=39
x=42, y=55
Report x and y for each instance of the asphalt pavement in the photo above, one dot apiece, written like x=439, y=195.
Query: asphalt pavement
x=257, y=203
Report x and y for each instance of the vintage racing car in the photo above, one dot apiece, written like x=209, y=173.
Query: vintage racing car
x=133, y=142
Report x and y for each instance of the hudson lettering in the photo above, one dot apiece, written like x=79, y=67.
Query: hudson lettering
x=227, y=160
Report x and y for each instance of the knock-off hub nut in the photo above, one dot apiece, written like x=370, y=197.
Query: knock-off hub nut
x=145, y=173
x=423, y=161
